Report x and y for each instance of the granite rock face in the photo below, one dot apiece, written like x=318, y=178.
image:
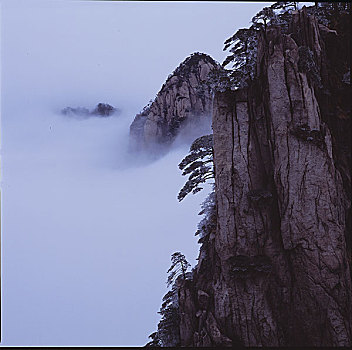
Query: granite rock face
x=185, y=100
x=277, y=271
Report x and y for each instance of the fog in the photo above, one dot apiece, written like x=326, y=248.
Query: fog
x=87, y=232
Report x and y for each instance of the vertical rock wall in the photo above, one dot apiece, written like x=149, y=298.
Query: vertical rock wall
x=277, y=272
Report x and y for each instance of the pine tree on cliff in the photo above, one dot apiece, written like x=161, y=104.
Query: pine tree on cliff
x=199, y=164
x=168, y=327
x=155, y=340
x=179, y=267
x=208, y=223
x=168, y=333
x=243, y=44
x=285, y=5
x=263, y=18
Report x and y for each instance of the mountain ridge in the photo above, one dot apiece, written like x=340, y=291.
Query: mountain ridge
x=184, y=98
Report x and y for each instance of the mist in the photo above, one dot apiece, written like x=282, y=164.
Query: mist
x=87, y=232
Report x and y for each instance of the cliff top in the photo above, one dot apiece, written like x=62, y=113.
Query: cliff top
x=189, y=65
x=190, y=62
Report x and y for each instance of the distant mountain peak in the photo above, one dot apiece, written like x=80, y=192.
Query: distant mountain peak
x=184, y=99
x=192, y=61
x=102, y=110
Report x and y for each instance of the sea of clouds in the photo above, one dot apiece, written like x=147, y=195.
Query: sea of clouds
x=87, y=232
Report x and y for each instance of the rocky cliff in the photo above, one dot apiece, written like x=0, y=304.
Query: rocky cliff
x=184, y=99
x=277, y=270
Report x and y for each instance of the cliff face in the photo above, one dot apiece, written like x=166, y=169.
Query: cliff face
x=185, y=99
x=277, y=270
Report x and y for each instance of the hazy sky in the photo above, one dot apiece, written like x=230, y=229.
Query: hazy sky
x=86, y=237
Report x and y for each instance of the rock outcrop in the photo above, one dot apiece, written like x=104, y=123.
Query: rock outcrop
x=277, y=271
x=184, y=99
x=102, y=110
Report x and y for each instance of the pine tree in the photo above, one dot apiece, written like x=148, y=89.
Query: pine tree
x=263, y=18
x=199, y=164
x=208, y=224
x=243, y=48
x=243, y=44
x=179, y=267
x=155, y=340
x=285, y=5
x=168, y=333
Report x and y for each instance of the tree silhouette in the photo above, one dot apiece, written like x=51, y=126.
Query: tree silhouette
x=208, y=224
x=168, y=333
x=243, y=44
x=243, y=48
x=263, y=18
x=155, y=340
x=179, y=267
x=169, y=325
x=199, y=164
